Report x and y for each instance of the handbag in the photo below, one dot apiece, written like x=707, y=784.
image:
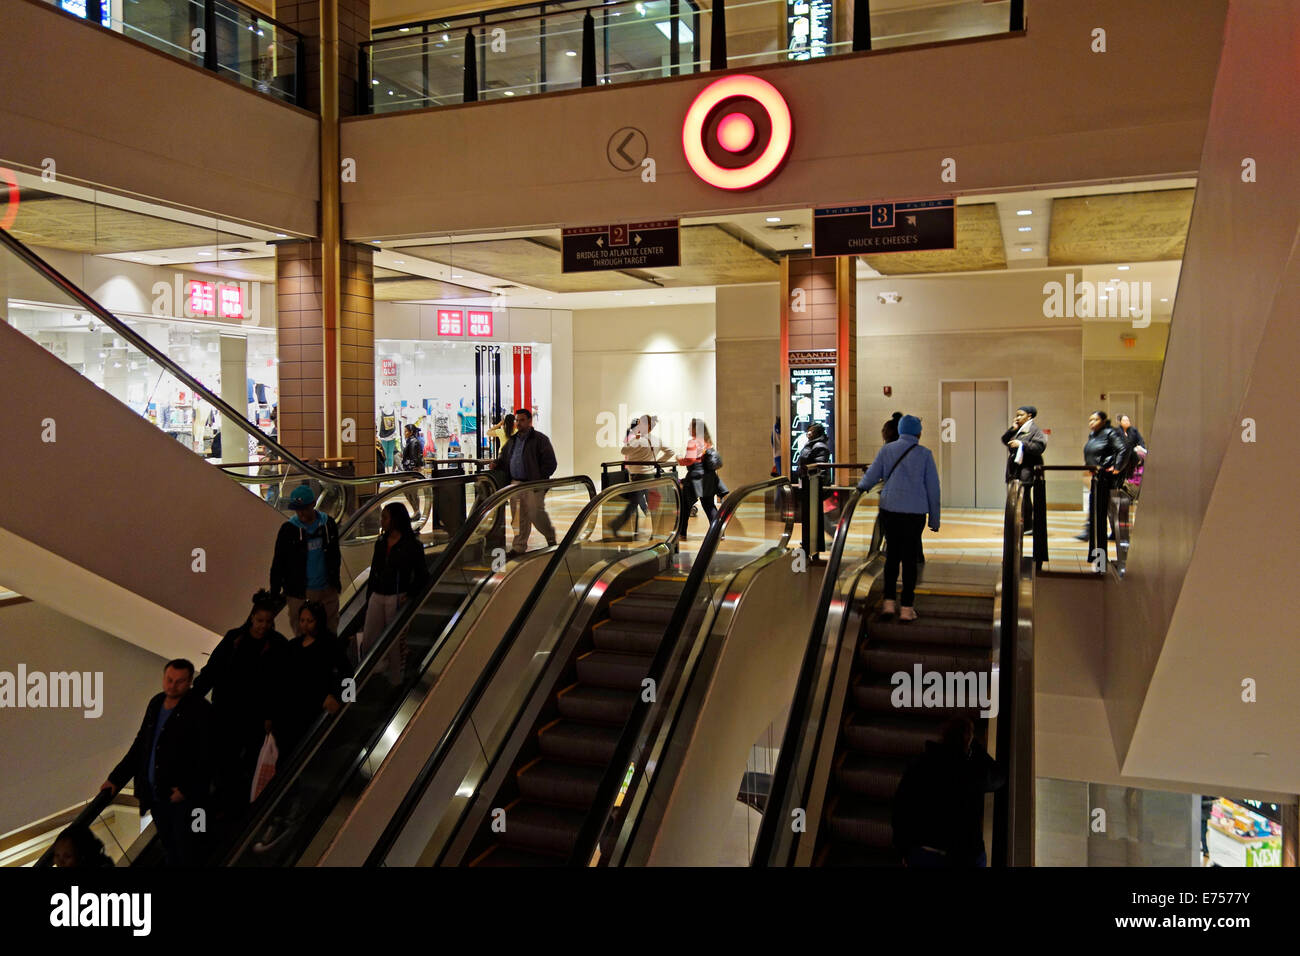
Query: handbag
x=266, y=761
x=712, y=459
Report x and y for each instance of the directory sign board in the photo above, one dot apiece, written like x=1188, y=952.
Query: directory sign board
x=812, y=400
x=912, y=225
x=624, y=245
x=809, y=28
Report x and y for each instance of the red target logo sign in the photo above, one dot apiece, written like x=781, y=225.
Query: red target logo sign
x=737, y=132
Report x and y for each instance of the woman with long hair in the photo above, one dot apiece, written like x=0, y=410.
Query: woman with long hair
x=397, y=572
x=1106, y=456
x=701, y=480
x=316, y=665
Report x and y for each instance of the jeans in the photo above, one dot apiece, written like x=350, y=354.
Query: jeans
x=635, y=502
x=532, y=511
x=380, y=611
x=902, y=543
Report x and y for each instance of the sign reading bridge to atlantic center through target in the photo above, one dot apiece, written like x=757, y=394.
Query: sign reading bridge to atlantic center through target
x=624, y=245
x=912, y=225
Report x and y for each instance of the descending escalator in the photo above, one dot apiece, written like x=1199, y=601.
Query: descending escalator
x=874, y=692
x=550, y=760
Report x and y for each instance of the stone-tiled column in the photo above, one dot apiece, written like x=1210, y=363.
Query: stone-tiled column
x=356, y=331
x=301, y=348
x=352, y=29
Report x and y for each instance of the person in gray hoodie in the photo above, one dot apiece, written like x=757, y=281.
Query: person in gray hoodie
x=911, y=492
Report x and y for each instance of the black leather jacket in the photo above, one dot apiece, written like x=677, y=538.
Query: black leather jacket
x=183, y=758
x=1105, y=448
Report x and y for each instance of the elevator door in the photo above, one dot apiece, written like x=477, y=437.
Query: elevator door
x=973, y=463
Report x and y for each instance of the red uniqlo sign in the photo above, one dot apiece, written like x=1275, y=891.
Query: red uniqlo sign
x=232, y=301
x=451, y=322
x=203, y=298
x=480, y=323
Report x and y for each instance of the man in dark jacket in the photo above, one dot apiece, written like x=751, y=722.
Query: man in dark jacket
x=170, y=760
x=938, y=814
x=528, y=456
x=307, y=560
x=1025, y=443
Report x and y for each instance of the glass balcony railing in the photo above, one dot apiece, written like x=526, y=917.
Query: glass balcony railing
x=225, y=37
x=525, y=50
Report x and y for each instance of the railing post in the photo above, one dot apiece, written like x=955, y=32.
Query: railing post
x=1017, y=15
x=210, y=35
x=815, y=503
x=588, y=49
x=862, y=25
x=718, y=36
x=805, y=519
x=300, y=74
x=95, y=12
x=674, y=41
x=363, y=106
x=470, y=89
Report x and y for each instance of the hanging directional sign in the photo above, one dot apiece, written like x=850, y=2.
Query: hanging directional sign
x=624, y=245
x=912, y=225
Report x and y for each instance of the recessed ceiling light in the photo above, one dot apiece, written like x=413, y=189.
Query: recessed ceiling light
x=1164, y=300
x=375, y=82
x=403, y=29
x=376, y=242
x=400, y=262
x=136, y=259
x=1123, y=268
x=1026, y=248
x=807, y=245
x=205, y=253
x=773, y=218
x=570, y=53
x=510, y=92
x=281, y=235
x=445, y=38
x=1024, y=228
x=1024, y=212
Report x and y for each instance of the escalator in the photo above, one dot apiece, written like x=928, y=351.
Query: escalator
x=868, y=701
x=95, y=549
x=550, y=763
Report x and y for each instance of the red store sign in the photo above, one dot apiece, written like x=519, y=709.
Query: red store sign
x=480, y=323
x=451, y=322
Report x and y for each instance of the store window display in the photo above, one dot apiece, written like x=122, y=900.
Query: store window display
x=454, y=391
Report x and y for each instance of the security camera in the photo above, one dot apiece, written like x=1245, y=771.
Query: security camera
x=92, y=326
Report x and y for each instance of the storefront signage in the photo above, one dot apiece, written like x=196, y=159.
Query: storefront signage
x=912, y=225
x=199, y=299
x=624, y=245
x=388, y=372
x=737, y=132
x=451, y=322
x=809, y=28
x=480, y=323
x=812, y=401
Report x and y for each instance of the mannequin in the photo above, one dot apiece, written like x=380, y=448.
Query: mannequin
x=441, y=426
x=388, y=433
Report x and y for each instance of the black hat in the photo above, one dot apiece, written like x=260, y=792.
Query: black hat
x=1030, y=409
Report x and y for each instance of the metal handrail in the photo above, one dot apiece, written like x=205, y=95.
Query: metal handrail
x=634, y=738
x=144, y=345
x=808, y=672
x=457, y=725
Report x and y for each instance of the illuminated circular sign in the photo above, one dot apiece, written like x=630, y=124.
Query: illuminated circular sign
x=10, y=213
x=737, y=132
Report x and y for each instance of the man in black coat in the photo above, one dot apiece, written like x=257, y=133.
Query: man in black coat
x=938, y=816
x=529, y=456
x=171, y=761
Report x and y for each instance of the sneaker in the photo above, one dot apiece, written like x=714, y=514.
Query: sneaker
x=907, y=614
x=888, y=608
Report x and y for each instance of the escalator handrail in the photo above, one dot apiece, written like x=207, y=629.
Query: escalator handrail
x=407, y=487
x=806, y=682
x=634, y=737
x=285, y=776
x=103, y=798
x=176, y=371
x=458, y=722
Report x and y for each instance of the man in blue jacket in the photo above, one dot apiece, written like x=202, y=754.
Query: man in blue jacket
x=911, y=492
x=307, y=561
x=528, y=456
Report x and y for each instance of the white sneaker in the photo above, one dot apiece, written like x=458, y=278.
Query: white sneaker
x=888, y=608
x=907, y=614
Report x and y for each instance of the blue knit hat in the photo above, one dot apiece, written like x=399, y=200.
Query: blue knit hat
x=909, y=425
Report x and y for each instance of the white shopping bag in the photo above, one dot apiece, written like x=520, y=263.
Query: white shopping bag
x=266, y=761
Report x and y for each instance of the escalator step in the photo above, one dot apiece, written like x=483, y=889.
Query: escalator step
x=862, y=821
x=566, y=784
x=966, y=632
x=890, y=657
x=874, y=694
x=852, y=854
x=613, y=669
x=541, y=829
x=631, y=637
x=602, y=705
x=890, y=736
x=952, y=606
x=579, y=742
x=638, y=607
x=874, y=777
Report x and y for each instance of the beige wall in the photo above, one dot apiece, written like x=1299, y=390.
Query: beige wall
x=1104, y=377
x=161, y=128
x=654, y=360
x=1208, y=598
x=40, y=779
x=1149, y=93
x=1045, y=367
